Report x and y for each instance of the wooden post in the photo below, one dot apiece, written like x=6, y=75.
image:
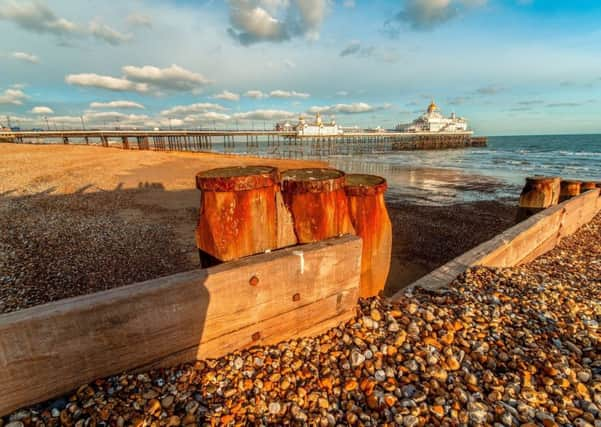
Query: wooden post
x=318, y=203
x=371, y=221
x=237, y=211
x=539, y=192
x=569, y=189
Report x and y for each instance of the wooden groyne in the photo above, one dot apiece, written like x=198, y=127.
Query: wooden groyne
x=283, y=144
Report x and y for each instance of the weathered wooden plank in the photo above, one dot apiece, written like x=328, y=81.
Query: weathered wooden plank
x=521, y=243
x=51, y=349
x=308, y=320
x=579, y=211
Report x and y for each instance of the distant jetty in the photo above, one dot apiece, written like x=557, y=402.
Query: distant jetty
x=317, y=138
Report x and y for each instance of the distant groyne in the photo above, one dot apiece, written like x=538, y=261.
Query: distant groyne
x=283, y=144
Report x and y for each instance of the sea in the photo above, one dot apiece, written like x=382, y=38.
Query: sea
x=495, y=172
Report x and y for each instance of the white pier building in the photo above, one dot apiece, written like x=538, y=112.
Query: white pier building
x=433, y=121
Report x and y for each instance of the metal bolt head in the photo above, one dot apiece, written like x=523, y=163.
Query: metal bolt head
x=256, y=336
x=296, y=297
x=254, y=281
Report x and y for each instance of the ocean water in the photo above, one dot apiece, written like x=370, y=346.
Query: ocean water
x=493, y=172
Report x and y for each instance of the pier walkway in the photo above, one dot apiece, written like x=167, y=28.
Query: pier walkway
x=270, y=143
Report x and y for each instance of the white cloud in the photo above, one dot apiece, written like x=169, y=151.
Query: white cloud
x=287, y=94
x=108, y=34
x=254, y=21
x=116, y=104
x=27, y=57
x=13, y=96
x=105, y=82
x=227, y=96
x=257, y=94
x=170, y=78
x=40, y=109
x=139, y=20
x=342, y=93
x=355, y=108
x=212, y=116
x=36, y=16
x=427, y=14
x=349, y=3
x=143, y=79
x=203, y=107
x=264, y=115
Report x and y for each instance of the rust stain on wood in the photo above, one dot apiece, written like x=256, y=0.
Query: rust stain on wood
x=370, y=218
x=318, y=203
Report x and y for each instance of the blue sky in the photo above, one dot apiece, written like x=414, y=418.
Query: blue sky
x=508, y=66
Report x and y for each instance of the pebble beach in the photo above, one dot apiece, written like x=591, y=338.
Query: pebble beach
x=504, y=347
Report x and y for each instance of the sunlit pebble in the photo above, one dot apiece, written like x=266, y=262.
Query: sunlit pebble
x=496, y=347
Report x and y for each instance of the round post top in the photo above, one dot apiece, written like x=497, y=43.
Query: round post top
x=365, y=185
x=312, y=180
x=237, y=178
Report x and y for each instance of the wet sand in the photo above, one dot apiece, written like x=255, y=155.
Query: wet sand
x=77, y=219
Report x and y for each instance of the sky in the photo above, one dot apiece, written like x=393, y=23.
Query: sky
x=508, y=66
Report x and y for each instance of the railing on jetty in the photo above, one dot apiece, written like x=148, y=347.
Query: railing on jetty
x=269, y=143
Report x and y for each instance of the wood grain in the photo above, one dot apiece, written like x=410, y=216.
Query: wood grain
x=53, y=348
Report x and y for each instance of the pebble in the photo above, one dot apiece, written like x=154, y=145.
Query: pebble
x=501, y=347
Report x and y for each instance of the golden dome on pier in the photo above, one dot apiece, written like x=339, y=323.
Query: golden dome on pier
x=432, y=107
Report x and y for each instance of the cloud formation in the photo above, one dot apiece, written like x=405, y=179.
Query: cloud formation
x=423, y=15
x=108, y=34
x=37, y=17
x=143, y=79
x=137, y=19
x=227, y=96
x=256, y=94
x=116, y=104
x=355, y=108
x=26, y=57
x=288, y=94
x=202, y=107
x=265, y=115
x=41, y=109
x=13, y=96
x=173, y=77
x=357, y=49
x=254, y=21
x=105, y=82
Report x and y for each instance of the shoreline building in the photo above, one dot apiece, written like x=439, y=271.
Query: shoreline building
x=308, y=128
x=433, y=121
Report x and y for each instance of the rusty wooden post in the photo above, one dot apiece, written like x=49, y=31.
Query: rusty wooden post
x=539, y=192
x=237, y=211
x=588, y=185
x=318, y=203
x=371, y=221
x=569, y=189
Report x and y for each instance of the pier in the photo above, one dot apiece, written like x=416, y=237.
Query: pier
x=283, y=144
